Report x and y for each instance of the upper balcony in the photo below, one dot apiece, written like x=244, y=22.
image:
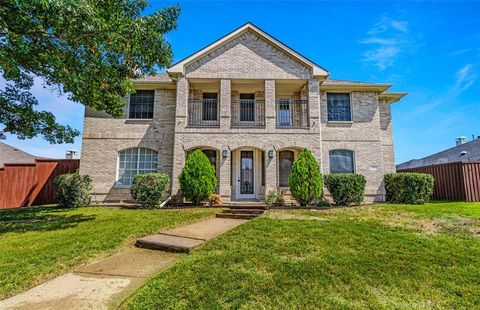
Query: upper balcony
x=292, y=113
x=247, y=105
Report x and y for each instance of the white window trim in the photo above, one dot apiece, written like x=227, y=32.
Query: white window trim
x=117, y=185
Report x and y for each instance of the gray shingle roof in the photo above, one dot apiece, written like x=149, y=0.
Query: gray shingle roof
x=12, y=155
x=469, y=151
x=160, y=77
x=343, y=82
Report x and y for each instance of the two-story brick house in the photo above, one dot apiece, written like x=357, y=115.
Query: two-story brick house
x=251, y=104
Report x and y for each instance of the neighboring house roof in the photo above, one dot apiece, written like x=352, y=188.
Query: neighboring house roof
x=178, y=68
x=469, y=151
x=12, y=155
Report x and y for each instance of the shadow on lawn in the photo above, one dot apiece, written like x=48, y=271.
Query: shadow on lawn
x=40, y=219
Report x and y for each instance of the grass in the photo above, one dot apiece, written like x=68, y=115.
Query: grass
x=385, y=256
x=39, y=243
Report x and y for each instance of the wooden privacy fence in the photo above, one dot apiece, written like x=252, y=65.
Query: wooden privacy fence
x=454, y=181
x=23, y=185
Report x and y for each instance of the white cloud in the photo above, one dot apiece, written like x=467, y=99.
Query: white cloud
x=387, y=38
x=463, y=79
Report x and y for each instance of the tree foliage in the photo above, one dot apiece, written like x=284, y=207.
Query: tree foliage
x=197, y=180
x=305, y=179
x=88, y=49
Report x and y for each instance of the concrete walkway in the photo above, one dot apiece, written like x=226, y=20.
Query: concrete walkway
x=101, y=284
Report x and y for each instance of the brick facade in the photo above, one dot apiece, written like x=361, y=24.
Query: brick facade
x=247, y=62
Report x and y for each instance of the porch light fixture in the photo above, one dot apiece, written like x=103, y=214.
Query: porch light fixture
x=224, y=153
x=270, y=154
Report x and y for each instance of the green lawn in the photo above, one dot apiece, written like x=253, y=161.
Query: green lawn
x=40, y=242
x=388, y=256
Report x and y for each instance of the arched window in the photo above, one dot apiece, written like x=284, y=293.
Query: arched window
x=285, y=159
x=135, y=161
x=341, y=161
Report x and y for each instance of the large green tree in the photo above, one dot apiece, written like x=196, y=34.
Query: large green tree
x=88, y=49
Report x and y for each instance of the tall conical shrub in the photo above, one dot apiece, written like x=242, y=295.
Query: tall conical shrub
x=305, y=179
x=197, y=180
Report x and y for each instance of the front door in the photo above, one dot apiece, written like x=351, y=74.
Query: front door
x=247, y=175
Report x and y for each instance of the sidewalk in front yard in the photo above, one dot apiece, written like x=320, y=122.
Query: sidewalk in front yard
x=99, y=284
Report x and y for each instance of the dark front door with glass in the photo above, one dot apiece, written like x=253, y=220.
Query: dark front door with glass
x=246, y=173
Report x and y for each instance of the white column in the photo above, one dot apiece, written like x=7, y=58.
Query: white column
x=180, y=124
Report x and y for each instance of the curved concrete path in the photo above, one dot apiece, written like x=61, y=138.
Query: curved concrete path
x=101, y=284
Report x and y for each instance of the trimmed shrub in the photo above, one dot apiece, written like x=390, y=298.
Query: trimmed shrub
x=274, y=198
x=73, y=190
x=215, y=200
x=409, y=188
x=150, y=189
x=197, y=180
x=346, y=188
x=305, y=179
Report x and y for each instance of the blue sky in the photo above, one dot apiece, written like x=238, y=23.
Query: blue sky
x=429, y=49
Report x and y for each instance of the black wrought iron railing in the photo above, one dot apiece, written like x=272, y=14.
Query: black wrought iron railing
x=292, y=113
x=204, y=112
x=248, y=113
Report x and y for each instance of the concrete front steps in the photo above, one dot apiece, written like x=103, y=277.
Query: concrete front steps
x=243, y=212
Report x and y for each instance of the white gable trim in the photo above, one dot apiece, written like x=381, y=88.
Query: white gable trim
x=179, y=67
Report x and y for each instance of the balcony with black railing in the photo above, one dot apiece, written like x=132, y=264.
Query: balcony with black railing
x=203, y=112
x=248, y=113
x=292, y=113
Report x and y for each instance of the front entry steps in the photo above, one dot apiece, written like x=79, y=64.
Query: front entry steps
x=246, y=212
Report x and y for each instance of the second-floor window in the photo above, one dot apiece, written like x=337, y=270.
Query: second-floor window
x=141, y=104
x=339, y=107
x=209, y=107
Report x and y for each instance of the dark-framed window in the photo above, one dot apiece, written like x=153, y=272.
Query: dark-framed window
x=339, y=108
x=285, y=159
x=341, y=161
x=247, y=107
x=210, y=107
x=141, y=104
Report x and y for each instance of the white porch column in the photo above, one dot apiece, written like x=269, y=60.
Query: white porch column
x=270, y=108
x=180, y=124
x=270, y=125
x=270, y=171
x=225, y=175
x=314, y=115
x=225, y=103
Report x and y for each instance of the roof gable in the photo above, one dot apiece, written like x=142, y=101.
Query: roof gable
x=180, y=67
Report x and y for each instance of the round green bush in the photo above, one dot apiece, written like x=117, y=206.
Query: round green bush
x=409, y=188
x=197, y=180
x=150, y=189
x=346, y=188
x=305, y=179
x=72, y=190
